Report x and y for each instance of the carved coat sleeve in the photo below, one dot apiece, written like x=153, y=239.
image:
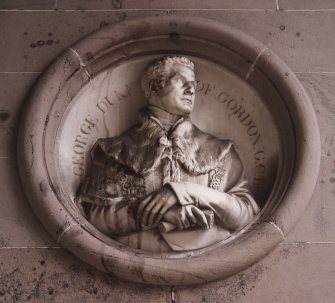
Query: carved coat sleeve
x=227, y=195
x=106, y=206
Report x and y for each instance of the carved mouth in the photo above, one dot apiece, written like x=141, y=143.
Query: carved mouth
x=187, y=100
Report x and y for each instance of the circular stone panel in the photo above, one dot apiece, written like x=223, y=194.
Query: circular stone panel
x=245, y=93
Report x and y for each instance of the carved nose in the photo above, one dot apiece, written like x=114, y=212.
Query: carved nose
x=189, y=89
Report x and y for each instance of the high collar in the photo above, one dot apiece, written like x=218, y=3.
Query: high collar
x=141, y=147
x=165, y=119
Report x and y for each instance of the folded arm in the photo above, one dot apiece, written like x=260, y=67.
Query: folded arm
x=232, y=210
x=228, y=197
x=102, y=202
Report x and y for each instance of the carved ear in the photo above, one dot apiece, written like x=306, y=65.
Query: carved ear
x=154, y=86
x=161, y=83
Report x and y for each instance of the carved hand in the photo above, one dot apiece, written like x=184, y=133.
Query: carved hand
x=184, y=217
x=152, y=209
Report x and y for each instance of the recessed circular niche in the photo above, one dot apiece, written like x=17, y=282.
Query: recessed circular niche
x=245, y=93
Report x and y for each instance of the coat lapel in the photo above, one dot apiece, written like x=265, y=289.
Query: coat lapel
x=141, y=147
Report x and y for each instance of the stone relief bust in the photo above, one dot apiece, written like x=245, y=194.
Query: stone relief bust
x=164, y=185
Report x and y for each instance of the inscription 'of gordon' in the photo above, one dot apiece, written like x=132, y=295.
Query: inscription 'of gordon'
x=87, y=126
x=236, y=108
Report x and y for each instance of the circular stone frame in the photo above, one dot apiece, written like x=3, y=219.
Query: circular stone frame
x=250, y=60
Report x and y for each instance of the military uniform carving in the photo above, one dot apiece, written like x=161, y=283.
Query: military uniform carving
x=201, y=169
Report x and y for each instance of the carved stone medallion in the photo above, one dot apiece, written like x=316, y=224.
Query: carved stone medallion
x=81, y=124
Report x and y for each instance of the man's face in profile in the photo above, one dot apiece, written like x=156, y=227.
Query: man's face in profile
x=178, y=94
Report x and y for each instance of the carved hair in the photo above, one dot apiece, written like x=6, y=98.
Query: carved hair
x=156, y=73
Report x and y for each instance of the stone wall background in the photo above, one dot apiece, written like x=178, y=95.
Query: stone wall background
x=34, y=268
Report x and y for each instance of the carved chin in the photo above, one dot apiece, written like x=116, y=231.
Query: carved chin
x=187, y=108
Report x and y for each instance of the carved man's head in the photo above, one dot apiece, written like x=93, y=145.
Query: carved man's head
x=169, y=83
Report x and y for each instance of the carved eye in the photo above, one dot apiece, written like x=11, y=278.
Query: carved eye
x=178, y=77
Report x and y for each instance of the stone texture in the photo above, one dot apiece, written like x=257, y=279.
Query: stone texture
x=321, y=89
x=290, y=36
x=14, y=89
x=292, y=273
x=54, y=275
x=317, y=223
x=306, y=4
x=19, y=226
x=300, y=39
x=161, y=4
x=29, y=5
x=36, y=38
